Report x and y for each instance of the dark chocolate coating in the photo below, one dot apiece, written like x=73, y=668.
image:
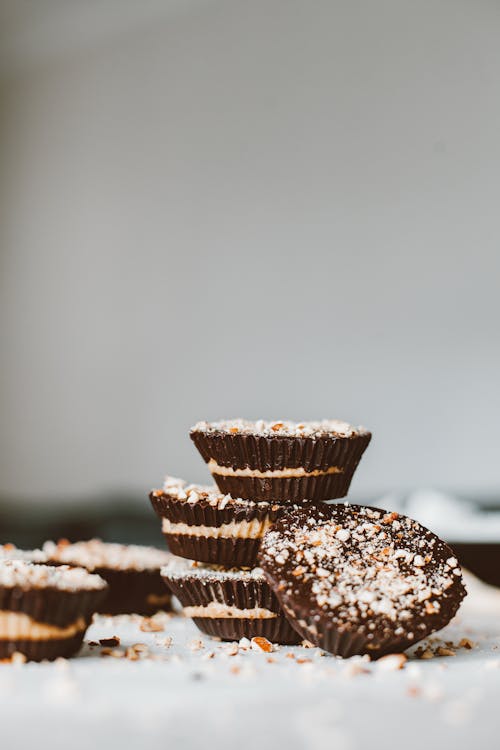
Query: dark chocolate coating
x=54, y=648
x=195, y=591
x=231, y=553
x=129, y=591
x=278, y=452
x=328, y=626
x=50, y=605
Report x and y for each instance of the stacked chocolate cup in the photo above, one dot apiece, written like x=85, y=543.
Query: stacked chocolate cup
x=263, y=471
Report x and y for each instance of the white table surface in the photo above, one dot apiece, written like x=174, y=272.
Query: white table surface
x=184, y=699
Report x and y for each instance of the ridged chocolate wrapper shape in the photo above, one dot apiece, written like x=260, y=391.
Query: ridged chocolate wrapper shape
x=281, y=462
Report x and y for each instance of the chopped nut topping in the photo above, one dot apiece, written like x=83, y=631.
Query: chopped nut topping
x=261, y=644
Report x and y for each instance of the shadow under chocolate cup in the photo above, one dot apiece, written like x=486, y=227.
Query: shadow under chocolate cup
x=45, y=611
x=360, y=580
x=132, y=573
x=228, y=604
x=281, y=462
x=200, y=523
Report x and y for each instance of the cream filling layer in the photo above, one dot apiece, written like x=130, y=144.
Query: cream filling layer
x=218, y=610
x=18, y=625
x=254, y=529
x=228, y=471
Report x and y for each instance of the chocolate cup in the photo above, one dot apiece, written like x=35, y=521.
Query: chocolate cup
x=279, y=452
x=239, y=552
x=52, y=606
x=49, y=650
x=129, y=592
x=344, y=637
x=241, y=593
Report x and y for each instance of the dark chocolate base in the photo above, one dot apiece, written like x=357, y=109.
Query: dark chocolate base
x=287, y=490
x=41, y=650
x=52, y=606
x=129, y=591
x=276, y=629
x=231, y=553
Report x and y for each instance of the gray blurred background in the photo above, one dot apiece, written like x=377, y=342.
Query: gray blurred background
x=276, y=208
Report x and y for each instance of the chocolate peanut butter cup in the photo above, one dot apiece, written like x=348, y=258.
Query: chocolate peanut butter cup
x=45, y=611
x=228, y=604
x=281, y=462
x=358, y=580
x=132, y=572
x=202, y=524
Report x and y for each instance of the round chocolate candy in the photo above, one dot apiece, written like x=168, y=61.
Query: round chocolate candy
x=360, y=580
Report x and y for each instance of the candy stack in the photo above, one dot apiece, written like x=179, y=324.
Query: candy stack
x=263, y=471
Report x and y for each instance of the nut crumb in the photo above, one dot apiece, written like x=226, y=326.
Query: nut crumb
x=165, y=642
x=18, y=658
x=116, y=653
x=392, y=662
x=149, y=625
x=110, y=642
x=196, y=645
x=445, y=651
x=426, y=654
x=466, y=643
x=261, y=644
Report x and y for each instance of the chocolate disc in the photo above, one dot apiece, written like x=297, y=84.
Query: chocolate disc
x=358, y=580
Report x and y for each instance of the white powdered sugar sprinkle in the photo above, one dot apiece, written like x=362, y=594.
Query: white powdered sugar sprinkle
x=25, y=575
x=94, y=554
x=10, y=552
x=323, y=428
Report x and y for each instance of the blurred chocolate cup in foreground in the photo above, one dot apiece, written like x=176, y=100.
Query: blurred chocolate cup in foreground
x=45, y=611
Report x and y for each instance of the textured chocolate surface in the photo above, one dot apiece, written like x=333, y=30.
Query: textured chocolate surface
x=356, y=580
x=240, y=589
x=279, y=452
x=40, y=650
